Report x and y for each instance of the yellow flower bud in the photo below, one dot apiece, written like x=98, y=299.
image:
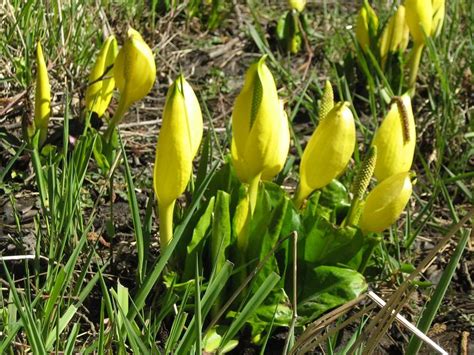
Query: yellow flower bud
x=328, y=151
x=297, y=5
x=438, y=17
x=385, y=203
x=395, y=140
x=101, y=79
x=367, y=26
x=42, y=96
x=419, y=15
x=178, y=143
x=260, y=130
x=179, y=140
x=395, y=34
x=134, y=72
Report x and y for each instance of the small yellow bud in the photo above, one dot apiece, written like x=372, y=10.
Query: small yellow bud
x=328, y=151
x=178, y=143
x=134, y=72
x=385, y=203
x=367, y=26
x=101, y=80
x=42, y=96
x=297, y=5
x=260, y=130
x=419, y=15
x=395, y=140
x=438, y=17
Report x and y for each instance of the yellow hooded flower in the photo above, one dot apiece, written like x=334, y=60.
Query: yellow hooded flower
x=395, y=140
x=419, y=14
x=101, y=80
x=328, y=151
x=134, y=72
x=438, y=17
x=260, y=130
x=367, y=26
x=42, y=96
x=395, y=34
x=385, y=203
x=297, y=5
x=178, y=143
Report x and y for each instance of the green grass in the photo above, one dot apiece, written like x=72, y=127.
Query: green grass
x=76, y=295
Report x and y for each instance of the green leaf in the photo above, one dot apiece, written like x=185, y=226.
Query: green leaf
x=255, y=301
x=221, y=230
x=329, y=245
x=134, y=209
x=214, y=289
x=100, y=158
x=63, y=322
x=327, y=287
x=213, y=338
x=201, y=228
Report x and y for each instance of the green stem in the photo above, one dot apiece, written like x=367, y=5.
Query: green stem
x=414, y=64
x=354, y=213
x=166, y=223
x=253, y=191
x=368, y=254
x=117, y=117
x=111, y=229
x=299, y=197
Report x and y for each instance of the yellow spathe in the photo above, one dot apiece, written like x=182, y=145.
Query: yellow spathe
x=385, y=203
x=395, y=146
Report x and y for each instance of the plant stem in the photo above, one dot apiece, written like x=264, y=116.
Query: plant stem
x=299, y=197
x=368, y=254
x=414, y=64
x=253, y=191
x=111, y=220
x=166, y=223
x=119, y=113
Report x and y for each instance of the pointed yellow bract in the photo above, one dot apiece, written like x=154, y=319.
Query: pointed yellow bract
x=297, y=5
x=395, y=140
x=42, y=95
x=101, y=80
x=367, y=26
x=419, y=15
x=261, y=137
x=134, y=72
x=385, y=203
x=178, y=143
x=395, y=34
x=328, y=151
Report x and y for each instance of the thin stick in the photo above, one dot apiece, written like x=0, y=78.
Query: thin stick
x=373, y=296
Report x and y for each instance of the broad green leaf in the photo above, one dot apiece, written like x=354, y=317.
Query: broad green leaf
x=327, y=287
x=201, y=227
x=326, y=244
x=213, y=338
